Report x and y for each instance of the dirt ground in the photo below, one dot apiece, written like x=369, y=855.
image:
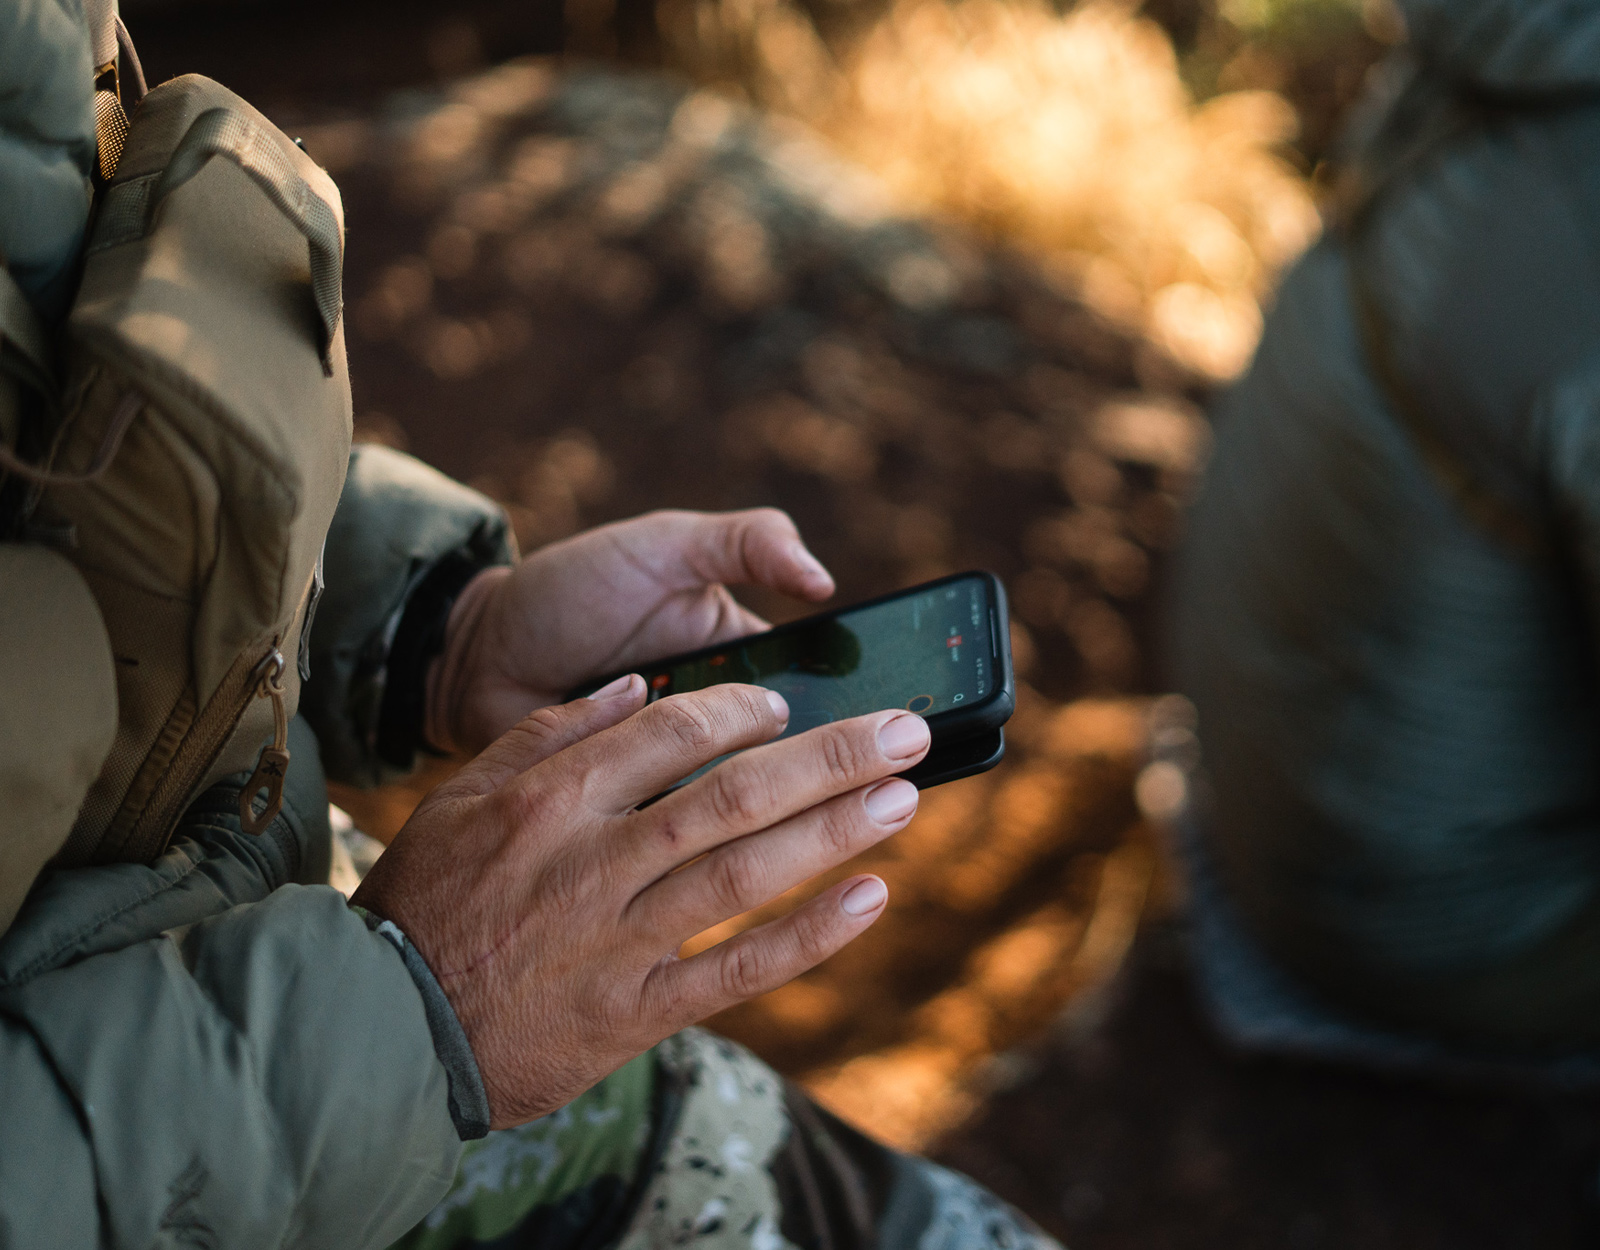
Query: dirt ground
x=591, y=293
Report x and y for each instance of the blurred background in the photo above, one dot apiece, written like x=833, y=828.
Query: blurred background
x=951, y=281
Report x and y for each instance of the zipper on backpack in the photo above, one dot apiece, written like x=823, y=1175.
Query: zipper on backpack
x=273, y=765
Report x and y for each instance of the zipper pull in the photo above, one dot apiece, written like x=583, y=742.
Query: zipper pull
x=274, y=763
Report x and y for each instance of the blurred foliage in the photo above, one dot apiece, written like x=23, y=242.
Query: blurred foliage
x=1315, y=53
x=1159, y=157
x=1073, y=134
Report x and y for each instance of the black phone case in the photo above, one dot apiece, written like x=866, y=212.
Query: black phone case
x=966, y=741
x=954, y=760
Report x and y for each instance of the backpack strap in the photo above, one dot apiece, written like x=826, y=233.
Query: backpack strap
x=25, y=355
x=1488, y=509
x=1425, y=118
x=24, y=348
x=106, y=38
x=118, y=83
x=100, y=16
x=130, y=71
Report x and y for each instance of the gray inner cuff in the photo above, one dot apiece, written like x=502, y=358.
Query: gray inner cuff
x=469, y=1103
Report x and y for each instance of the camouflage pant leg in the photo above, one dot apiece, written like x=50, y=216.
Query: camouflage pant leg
x=563, y=1182
x=726, y=1155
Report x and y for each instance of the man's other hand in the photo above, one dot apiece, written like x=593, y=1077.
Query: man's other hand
x=519, y=638
x=551, y=908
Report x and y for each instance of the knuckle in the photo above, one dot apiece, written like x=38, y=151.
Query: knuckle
x=737, y=797
x=754, y=703
x=813, y=937
x=743, y=972
x=547, y=720
x=688, y=723
x=841, y=758
x=735, y=882
x=584, y=789
x=838, y=829
x=615, y=1007
x=549, y=726
x=664, y=828
x=534, y=735
x=748, y=706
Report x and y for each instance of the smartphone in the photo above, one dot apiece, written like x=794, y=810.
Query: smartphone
x=941, y=649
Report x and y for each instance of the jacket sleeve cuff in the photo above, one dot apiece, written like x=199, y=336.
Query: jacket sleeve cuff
x=469, y=1102
x=404, y=540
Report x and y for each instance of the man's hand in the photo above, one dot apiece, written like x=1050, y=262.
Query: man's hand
x=519, y=638
x=551, y=908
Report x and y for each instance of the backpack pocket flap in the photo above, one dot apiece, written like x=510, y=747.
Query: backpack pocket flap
x=210, y=299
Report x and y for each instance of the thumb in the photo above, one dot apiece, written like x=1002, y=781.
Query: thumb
x=539, y=735
x=758, y=547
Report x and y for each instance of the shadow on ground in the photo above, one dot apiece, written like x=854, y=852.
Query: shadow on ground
x=1133, y=1129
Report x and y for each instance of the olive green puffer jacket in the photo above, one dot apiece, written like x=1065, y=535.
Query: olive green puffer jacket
x=211, y=1049
x=47, y=146
x=204, y=1046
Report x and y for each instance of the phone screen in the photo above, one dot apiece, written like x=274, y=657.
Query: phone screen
x=929, y=651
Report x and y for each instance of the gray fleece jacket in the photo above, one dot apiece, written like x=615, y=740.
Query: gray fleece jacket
x=1389, y=608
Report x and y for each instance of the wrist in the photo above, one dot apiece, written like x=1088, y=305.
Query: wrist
x=469, y=1102
x=448, y=675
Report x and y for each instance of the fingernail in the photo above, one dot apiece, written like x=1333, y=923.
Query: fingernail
x=864, y=896
x=780, y=709
x=614, y=688
x=891, y=800
x=905, y=735
x=810, y=563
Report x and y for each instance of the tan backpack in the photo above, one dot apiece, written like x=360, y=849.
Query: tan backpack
x=194, y=439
